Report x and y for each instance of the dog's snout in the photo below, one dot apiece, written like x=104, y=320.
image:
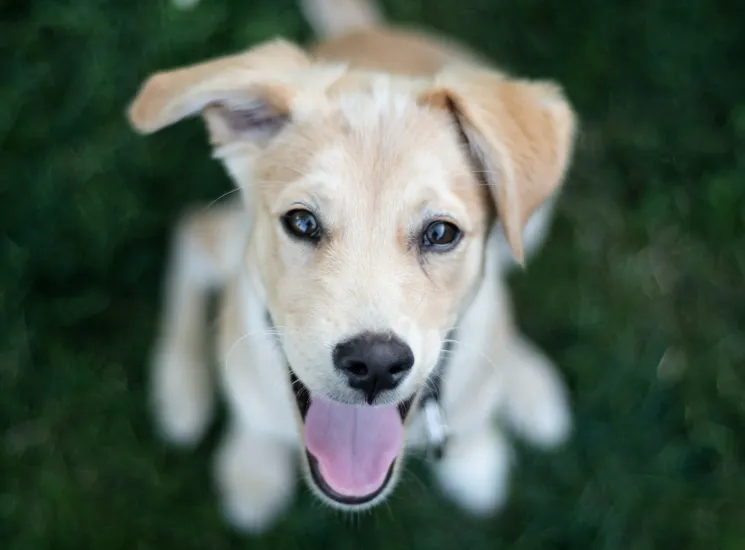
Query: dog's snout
x=373, y=362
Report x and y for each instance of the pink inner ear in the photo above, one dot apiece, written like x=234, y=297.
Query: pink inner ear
x=256, y=119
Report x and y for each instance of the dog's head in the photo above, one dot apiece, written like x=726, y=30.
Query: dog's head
x=372, y=197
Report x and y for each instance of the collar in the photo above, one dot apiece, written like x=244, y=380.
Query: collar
x=431, y=406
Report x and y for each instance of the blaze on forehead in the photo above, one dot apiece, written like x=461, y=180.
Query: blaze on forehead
x=370, y=141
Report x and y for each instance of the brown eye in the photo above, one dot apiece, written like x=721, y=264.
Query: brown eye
x=440, y=236
x=302, y=224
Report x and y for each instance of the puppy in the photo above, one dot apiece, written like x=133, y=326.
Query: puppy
x=388, y=178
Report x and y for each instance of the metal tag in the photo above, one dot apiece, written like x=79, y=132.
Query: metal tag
x=437, y=430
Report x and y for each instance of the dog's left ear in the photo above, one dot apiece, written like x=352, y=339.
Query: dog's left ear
x=243, y=96
x=521, y=132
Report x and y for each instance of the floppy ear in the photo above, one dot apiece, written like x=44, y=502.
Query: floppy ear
x=522, y=134
x=244, y=95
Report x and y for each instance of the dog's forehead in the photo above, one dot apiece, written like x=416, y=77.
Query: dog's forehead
x=368, y=147
x=369, y=167
x=378, y=146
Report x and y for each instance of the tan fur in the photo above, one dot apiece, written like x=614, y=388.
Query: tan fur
x=169, y=96
x=377, y=131
x=521, y=131
x=408, y=52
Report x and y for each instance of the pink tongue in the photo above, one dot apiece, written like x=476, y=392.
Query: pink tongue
x=354, y=446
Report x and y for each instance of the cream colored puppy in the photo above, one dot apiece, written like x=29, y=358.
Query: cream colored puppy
x=387, y=179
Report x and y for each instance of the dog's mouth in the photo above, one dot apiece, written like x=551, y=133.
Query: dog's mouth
x=351, y=449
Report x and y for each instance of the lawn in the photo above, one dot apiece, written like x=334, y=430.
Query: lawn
x=638, y=295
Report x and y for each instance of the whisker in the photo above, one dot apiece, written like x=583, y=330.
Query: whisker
x=424, y=295
x=469, y=171
x=408, y=474
x=495, y=370
x=214, y=202
x=255, y=334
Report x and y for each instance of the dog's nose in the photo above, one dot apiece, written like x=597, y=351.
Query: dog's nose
x=373, y=362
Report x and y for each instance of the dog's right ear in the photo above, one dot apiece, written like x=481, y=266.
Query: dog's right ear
x=244, y=96
x=521, y=132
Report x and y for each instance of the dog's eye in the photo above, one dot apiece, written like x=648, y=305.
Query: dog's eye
x=302, y=224
x=440, y=236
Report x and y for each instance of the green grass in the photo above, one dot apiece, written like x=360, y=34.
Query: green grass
x=647, y=261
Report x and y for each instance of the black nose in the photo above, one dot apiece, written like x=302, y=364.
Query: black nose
x=373, y=362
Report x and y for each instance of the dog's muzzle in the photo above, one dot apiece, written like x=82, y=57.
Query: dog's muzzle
x=353, y=451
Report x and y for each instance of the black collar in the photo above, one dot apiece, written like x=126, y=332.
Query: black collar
x=429, y=402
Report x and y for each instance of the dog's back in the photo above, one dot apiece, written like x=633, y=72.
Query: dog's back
x=354, y=31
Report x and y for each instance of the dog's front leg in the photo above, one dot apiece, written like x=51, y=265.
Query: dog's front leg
x=206, y=249
x=255, y=476
x=535, y=403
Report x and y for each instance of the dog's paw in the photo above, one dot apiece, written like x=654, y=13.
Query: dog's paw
x=255, y=478
x=182, y=396
x=248, y=516
x=536, y=405
x=474, y=472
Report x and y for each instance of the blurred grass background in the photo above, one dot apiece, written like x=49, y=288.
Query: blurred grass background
x=638, y=295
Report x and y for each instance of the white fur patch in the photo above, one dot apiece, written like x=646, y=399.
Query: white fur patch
x=475, y=471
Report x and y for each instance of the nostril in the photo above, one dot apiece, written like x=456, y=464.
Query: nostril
x=357, y=368
x=398, y=368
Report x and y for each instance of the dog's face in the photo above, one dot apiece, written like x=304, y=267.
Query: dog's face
x=369, y=236
x=372, y=197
